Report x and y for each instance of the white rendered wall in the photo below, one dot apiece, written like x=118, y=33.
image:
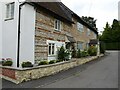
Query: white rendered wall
x=9, y=35
x=119, y=10
x=57, y=46
x=27, y=33
x=1, y=31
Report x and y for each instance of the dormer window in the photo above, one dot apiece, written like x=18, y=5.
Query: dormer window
x=10, y=10
x=57, y=25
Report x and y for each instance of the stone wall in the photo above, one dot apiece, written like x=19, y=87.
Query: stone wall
x=81, y=36
x=44, y=30
x=25, y=74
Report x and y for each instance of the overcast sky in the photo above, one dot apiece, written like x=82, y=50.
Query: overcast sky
x=102, y=10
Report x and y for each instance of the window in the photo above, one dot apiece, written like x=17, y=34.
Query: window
x=57, y=25
x=80, y=27
x=9, y=10
x=88, y=32
x=95, y=36
x=51, y=48
x=80, y=45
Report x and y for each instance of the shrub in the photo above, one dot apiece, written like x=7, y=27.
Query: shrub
x=52, y=61
x=74, y=53
x=92, y=51
x=61, y=53
x=59, y=61
x=7, y=63
x=102, y=47
x=43, y=63
x=83, y=54
x=27, y=64
x=79, y=54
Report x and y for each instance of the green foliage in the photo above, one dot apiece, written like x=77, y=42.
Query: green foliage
x=74, y=53
x=111, y=33
x=92, y=51
x=27, y=64
x=111, y=36
x=112, y=46
x=84, y=53
x=7, y=63
x=59, y=61
x=63, y=54
x=52, y=61
x=79, y=54
x=43, y=63
x=90, y=20
x=102, y=47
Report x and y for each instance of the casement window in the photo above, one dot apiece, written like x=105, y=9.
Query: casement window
x=57, y=25
x=80, y=45
x=88, y=32
x=80, y=27
x=95, y=36
x=10, y=10
x=51, y=49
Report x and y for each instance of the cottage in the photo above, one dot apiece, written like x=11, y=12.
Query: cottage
x=34, y=31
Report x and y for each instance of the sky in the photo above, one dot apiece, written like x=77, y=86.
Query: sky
x=102, y=10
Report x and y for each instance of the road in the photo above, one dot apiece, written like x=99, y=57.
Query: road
x=102, y=73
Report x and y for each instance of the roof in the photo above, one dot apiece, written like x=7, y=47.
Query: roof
x=56, y=8
x=61, y=12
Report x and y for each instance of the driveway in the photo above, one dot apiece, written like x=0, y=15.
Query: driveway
x=102, y=73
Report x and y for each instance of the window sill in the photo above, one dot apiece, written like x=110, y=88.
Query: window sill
x=51, y=55
x=8, y=19
x=57, y=30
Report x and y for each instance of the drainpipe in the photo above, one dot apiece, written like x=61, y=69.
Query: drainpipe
x=18, y=49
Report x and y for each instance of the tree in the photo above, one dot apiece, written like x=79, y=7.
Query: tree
x=90, y=20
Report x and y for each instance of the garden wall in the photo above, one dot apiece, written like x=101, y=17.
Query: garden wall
x=18, y=75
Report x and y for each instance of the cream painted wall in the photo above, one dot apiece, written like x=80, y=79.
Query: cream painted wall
x=27, y=33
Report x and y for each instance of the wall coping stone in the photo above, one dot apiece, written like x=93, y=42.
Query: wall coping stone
x=49, y=65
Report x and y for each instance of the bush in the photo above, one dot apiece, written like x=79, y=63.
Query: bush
x=43, y=63
x=83, y=54
x=102, y=47
x=74, y=53
x=7, y=63
x=52, y=61
x=92, y=51
x=61, y=53
x=27, y=64
x=59, y=61
x=79, y=54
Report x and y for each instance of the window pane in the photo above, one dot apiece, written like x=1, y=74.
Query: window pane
x=80, y=45
x=52, y=49
x=49, y=48
x=12, y=10
x=80, y=27
x=7, y=10
x=56, y=24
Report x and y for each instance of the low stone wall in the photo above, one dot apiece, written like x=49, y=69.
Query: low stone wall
x=18, y=75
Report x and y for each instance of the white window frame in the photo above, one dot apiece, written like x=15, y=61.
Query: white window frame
x=10, y=7
x=57, y=25
x=80, y=27
x=51, y=49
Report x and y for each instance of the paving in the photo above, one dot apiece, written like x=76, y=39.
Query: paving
x=102, y=73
